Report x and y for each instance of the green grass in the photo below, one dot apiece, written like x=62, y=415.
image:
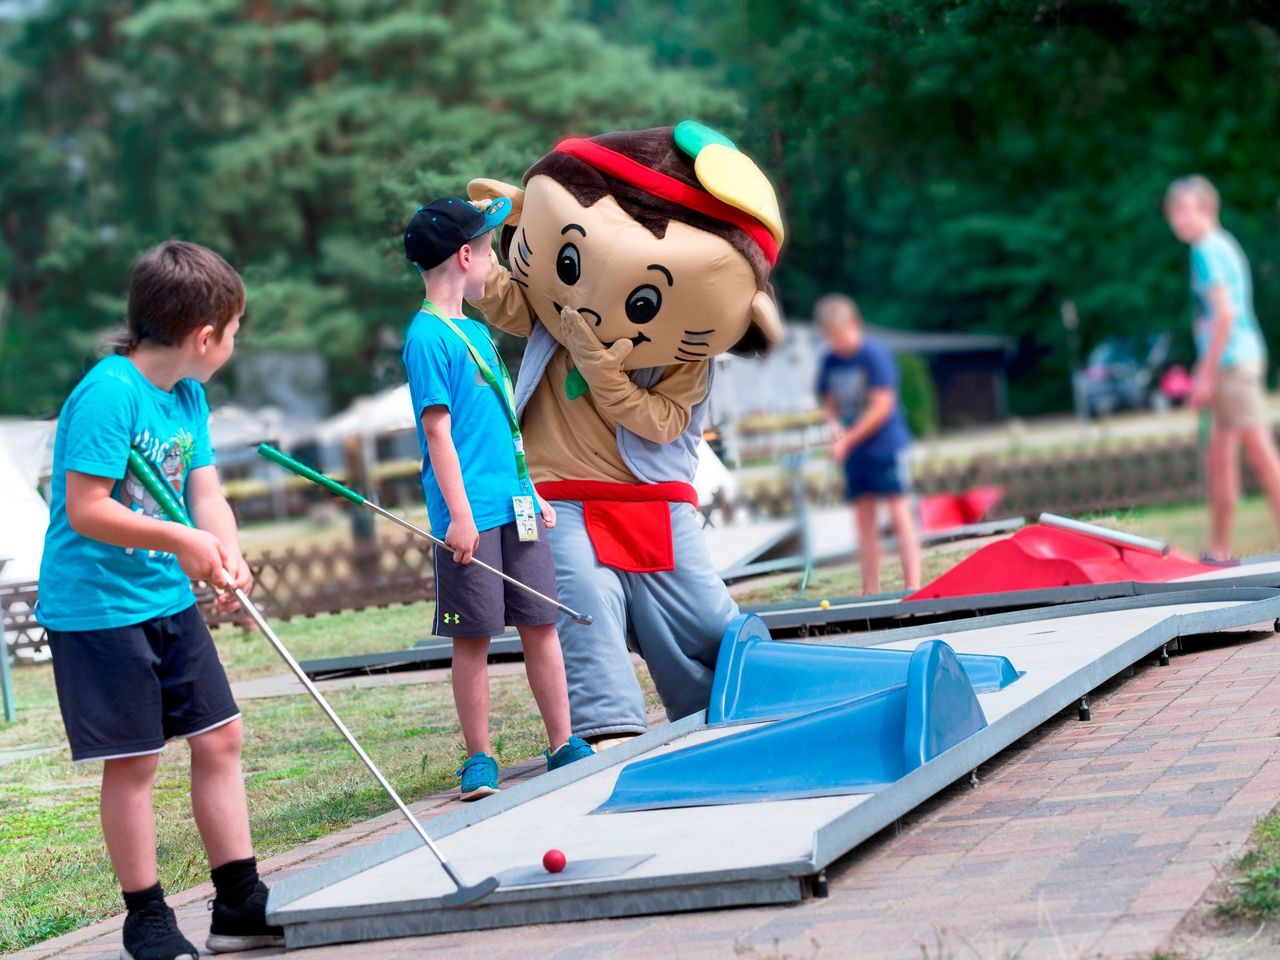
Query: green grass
x=1256, y=886
x=302, y=780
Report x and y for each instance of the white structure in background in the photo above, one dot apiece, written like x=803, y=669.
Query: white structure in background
x=26, y=458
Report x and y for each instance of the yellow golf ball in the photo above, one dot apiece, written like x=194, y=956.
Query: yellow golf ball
x=825, y=604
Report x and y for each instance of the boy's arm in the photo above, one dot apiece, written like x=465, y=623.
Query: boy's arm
x=503, y=305
x=210, y=511
x=660, y=414
x=462, y=536
x=94, y=513
x=879, y=408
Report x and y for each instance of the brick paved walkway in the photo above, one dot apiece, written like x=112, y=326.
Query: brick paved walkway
x=1084, y=840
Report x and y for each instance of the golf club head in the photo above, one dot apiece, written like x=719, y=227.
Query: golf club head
x=464, y=895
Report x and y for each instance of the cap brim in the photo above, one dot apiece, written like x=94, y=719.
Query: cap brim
x=494, y=214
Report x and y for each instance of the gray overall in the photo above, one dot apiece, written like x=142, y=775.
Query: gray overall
x=673, y=619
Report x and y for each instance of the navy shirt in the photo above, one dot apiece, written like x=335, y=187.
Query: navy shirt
x=849, y=381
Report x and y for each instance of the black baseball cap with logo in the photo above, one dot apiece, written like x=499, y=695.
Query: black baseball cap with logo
x=443, y=227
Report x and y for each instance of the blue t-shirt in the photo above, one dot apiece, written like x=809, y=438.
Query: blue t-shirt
x=849, y=381
x=442, y=373
x=90, y=585
x=1217, y=260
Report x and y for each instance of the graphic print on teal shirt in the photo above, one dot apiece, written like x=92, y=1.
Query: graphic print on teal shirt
x=86, y=584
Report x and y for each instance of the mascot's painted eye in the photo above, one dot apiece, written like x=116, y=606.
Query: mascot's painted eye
x=568, y=264
x=643, y=304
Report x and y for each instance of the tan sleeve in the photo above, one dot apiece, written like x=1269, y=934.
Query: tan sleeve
x=503, y=305
x=662, y=413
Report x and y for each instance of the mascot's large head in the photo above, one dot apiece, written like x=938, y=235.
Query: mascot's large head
x=664, y=236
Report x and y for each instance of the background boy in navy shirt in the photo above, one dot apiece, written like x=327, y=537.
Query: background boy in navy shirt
x=858, y=389
x=477, y=487
x=132, y=658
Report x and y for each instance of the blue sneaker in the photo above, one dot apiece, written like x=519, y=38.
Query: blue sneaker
x=479, y=777
x=575, y=748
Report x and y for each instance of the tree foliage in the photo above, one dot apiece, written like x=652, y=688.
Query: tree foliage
x=293, y=136
x=969, y=164
x=955, y=164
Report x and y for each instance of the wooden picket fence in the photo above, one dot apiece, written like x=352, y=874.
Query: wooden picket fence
x=394, y=570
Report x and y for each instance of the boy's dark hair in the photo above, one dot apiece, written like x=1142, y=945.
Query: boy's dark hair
x=177, y=287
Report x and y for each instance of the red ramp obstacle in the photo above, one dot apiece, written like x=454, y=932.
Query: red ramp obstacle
x=1058, y=552
x=944, y=511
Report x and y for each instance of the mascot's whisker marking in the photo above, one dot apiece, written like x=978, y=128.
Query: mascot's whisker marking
x=695, y=343
x=699, y=333
x=519, y=281
x=523, y=262
x=523, y=245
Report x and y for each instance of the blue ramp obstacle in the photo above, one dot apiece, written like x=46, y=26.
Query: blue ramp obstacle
x=860, y=745
x=759, y=678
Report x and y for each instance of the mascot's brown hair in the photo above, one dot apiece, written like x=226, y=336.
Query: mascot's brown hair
x=635, y=258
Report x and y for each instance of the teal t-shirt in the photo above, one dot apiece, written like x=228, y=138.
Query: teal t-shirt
x=1217, y=260
x=441, y=372
x=90, y=585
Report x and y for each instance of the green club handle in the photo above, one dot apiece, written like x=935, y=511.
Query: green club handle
x=315, y=476
x=158, y=487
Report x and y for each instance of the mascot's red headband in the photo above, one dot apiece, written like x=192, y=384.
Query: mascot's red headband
x=636, y=174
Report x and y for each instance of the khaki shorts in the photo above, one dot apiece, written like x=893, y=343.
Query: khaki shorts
x=1240, y=402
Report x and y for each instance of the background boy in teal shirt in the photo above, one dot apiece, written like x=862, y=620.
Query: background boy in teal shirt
x=1231, y=368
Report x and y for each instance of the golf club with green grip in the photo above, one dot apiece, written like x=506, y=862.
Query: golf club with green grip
x=334, y=487
x=164, y=495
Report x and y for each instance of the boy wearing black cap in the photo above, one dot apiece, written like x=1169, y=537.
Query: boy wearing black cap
x=479, y=497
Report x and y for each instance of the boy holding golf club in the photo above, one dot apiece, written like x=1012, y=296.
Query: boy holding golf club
x=133, y=661
x=480, y=500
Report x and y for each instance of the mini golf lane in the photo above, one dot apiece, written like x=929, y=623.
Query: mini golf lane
x=690, y=858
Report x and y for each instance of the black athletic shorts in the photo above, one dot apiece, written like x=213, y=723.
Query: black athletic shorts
x=123, y=692
x=471, y=602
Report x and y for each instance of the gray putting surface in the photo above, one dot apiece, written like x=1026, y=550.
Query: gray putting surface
x=700, y=857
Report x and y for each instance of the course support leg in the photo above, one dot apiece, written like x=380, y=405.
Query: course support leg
x=1083, y=711
x=973, y=778
x=819, y=885
x=6, y=683
x=1164, y=655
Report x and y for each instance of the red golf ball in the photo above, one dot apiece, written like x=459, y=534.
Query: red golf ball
x=553, y=861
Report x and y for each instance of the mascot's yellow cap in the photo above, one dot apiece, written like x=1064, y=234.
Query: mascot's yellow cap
x=730, y=175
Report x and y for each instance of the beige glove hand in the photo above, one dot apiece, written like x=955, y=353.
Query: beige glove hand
x=599, y=365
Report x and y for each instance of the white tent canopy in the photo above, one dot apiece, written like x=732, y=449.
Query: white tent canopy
x=387, y=412
x=25, y=458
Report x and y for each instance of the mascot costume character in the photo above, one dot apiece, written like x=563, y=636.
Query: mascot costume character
x=635, y=258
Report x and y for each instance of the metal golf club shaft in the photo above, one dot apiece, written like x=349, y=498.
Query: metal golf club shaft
x=298, y=672
x=268, y=452
x=165, y=497
x=572, y=614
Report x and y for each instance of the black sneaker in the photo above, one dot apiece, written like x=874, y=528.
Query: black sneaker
x=152, y=934
x=243, y=927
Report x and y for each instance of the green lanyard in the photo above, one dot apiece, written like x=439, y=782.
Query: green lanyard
x=506, y=395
